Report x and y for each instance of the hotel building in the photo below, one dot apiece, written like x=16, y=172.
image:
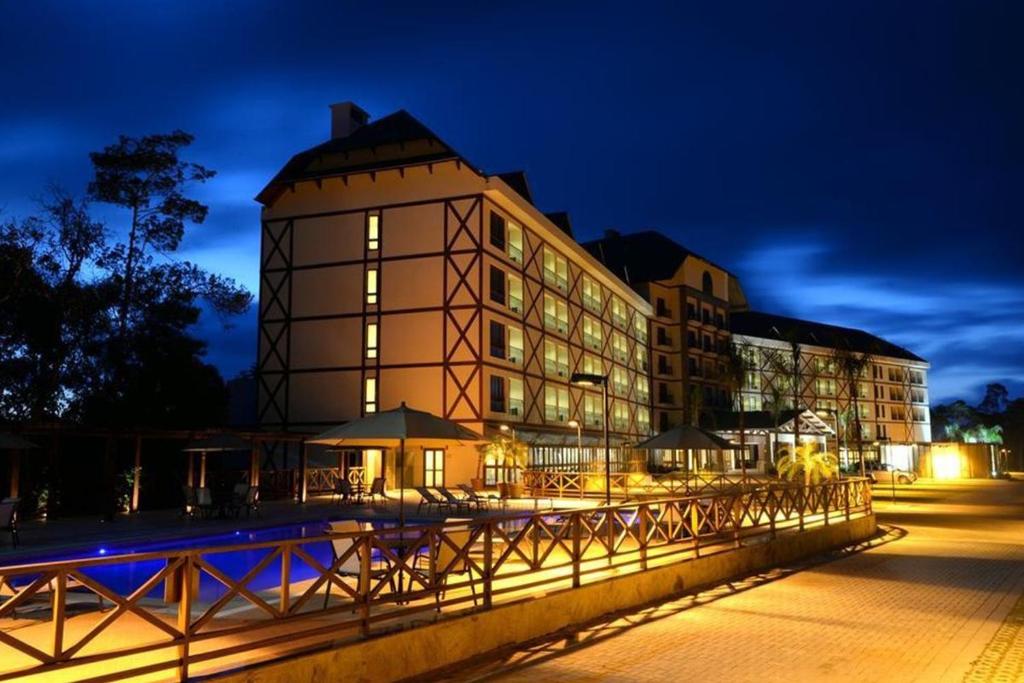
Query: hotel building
x=892, y=393
x=393, y=270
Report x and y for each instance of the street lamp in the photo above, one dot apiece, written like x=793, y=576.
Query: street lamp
x=582, y=379
x=579, y=452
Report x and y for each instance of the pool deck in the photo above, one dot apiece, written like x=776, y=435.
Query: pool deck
x=45, y=538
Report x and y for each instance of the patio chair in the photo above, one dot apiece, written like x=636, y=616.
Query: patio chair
x=343, y=491
x=204, y=501
x=251, y=503
x=428, y=498
x=450, y=556
x=453, y=500
x=350, y=567
x=9, y=519
x=376, y=489
x=482, y=502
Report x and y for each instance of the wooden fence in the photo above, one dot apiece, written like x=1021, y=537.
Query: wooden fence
x=580, y=484
x=192, y=612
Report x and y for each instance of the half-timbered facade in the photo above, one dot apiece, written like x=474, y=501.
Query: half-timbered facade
x=393, y=270
x=891, y=392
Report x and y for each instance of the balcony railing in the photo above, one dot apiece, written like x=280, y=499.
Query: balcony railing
x=592, y=341
x=592, y=304
x=515, y=253
x=555, y=368
x=553, y=323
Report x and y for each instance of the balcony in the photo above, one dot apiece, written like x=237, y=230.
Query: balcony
x=555, y=414
x=663, y=311
x=552, y=367
x=592, y=341
x=553, y=279
x=515, y=253
x=664, y=368
x=515, y=304
x=663, y=339
x=515, y=408
x=553, y=323
x=592, y=303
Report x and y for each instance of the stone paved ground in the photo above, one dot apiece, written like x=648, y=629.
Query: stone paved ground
x=922, y=604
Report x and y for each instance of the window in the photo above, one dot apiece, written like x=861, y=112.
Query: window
x=640, y=328
x=433, y=467
x=643, y=390
x=591, y=333
x=497, y=285
x=556, y=270
x=556, y=358
x=691, y=312
x=862, y=390
x=515, y=345
x=751, y=403
x=591, y=295
x=497, y=394
x=620, y=416
x=515, y=294
x=371, y=286
x=592, y=365
x=556, y=404
x=373, y=231
x=618, y=312
x=916, y=377
x=620, y=352
x=592, y=410
x=515, y=242
x=643, y=421
x=707, y=284
x=497, y=231
x=620, y=381
x=370, y=395
x=371, y=340
x=661, y=309
x=825, y=366
x=497, y=339
x=641, y=358
x=825, y=387
x=515, y=397
x=556, y=314
x=753, y=380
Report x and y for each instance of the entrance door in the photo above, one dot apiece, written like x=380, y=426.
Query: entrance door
x=433, y=467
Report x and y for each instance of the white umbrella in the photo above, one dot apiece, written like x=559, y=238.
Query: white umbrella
x=399, y=427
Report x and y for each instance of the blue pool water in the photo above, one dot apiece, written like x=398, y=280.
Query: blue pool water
x=126, y=577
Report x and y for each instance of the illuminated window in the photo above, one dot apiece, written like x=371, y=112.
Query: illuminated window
x=370, y=395
x=515, y=294
x=592, y=365
x=515, y=345
x=643, y=421
x=556, y=270
x=556, y=358
x=373, y=231
x=556, y=404
x=433, y=467
x=620, y=416
x=643, y=390
x=371, y=286
x=618, y=312
x=593, y=409
x=620, y=381
x=640, y=328
x=641, y=357
x=515, y=397
x=556, y=314
x=515, y=242
x=620, y=351
x=591, y=333
x=591, y=294
x=371, y=340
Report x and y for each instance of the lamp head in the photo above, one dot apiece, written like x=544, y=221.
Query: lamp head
x=573, y=423
x=583, y=379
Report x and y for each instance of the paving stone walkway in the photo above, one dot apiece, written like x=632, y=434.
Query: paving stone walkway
x=925, y=603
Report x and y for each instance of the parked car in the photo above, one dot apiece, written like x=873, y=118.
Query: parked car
x=882, y=473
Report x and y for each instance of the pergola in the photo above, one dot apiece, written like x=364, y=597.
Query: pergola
x=197, y=441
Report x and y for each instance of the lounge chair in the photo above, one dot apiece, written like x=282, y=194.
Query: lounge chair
x=251, y=502
x=343, y=491
x=453, y=500
x=427, y=498
x=377, y=489
x=204, y=501
x=481, y=502
x=350, y=566
x=445, y=555
x=190, y=508
x=9, y=519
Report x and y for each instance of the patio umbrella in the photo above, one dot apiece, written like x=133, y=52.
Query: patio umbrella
x=686, y=437
x=400, y=427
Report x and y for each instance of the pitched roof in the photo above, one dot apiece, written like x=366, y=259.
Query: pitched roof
x=517, y=181
x=753, y=419
x=368, y=148
x=638, y=257
x=561, y=220
x=770, y=326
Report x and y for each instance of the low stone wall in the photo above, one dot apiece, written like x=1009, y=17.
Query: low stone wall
x=420, y=650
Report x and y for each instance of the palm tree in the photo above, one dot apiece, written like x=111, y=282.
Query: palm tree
x=815, y=465
x=735, y=378
x=851, y=366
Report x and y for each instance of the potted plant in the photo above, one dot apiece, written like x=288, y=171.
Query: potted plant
x=478, y=482
x=511, y=456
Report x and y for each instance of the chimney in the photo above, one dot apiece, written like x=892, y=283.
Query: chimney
x=346, y=117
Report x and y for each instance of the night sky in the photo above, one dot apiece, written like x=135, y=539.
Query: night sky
x=857, y=163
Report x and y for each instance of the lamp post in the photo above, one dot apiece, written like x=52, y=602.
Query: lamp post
x=582, y=379
x=579, y=452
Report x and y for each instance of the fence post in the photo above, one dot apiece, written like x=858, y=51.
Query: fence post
x=773, y=510
x=803, y=505
x=642, y=511
x=826, y=491
x=364, y=584
x=695, y=526
x=576, y=559
x=736, y=515
x=286, y=579
x=488, y=562
x=60, y=586
x=609, y=521
x=185, y=594
x=846, y=498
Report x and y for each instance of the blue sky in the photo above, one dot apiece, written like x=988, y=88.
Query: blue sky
x=858, y=163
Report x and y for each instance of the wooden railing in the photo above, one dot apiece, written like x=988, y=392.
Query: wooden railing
x=577, y=484
x=186, y=612
x=325, y=479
